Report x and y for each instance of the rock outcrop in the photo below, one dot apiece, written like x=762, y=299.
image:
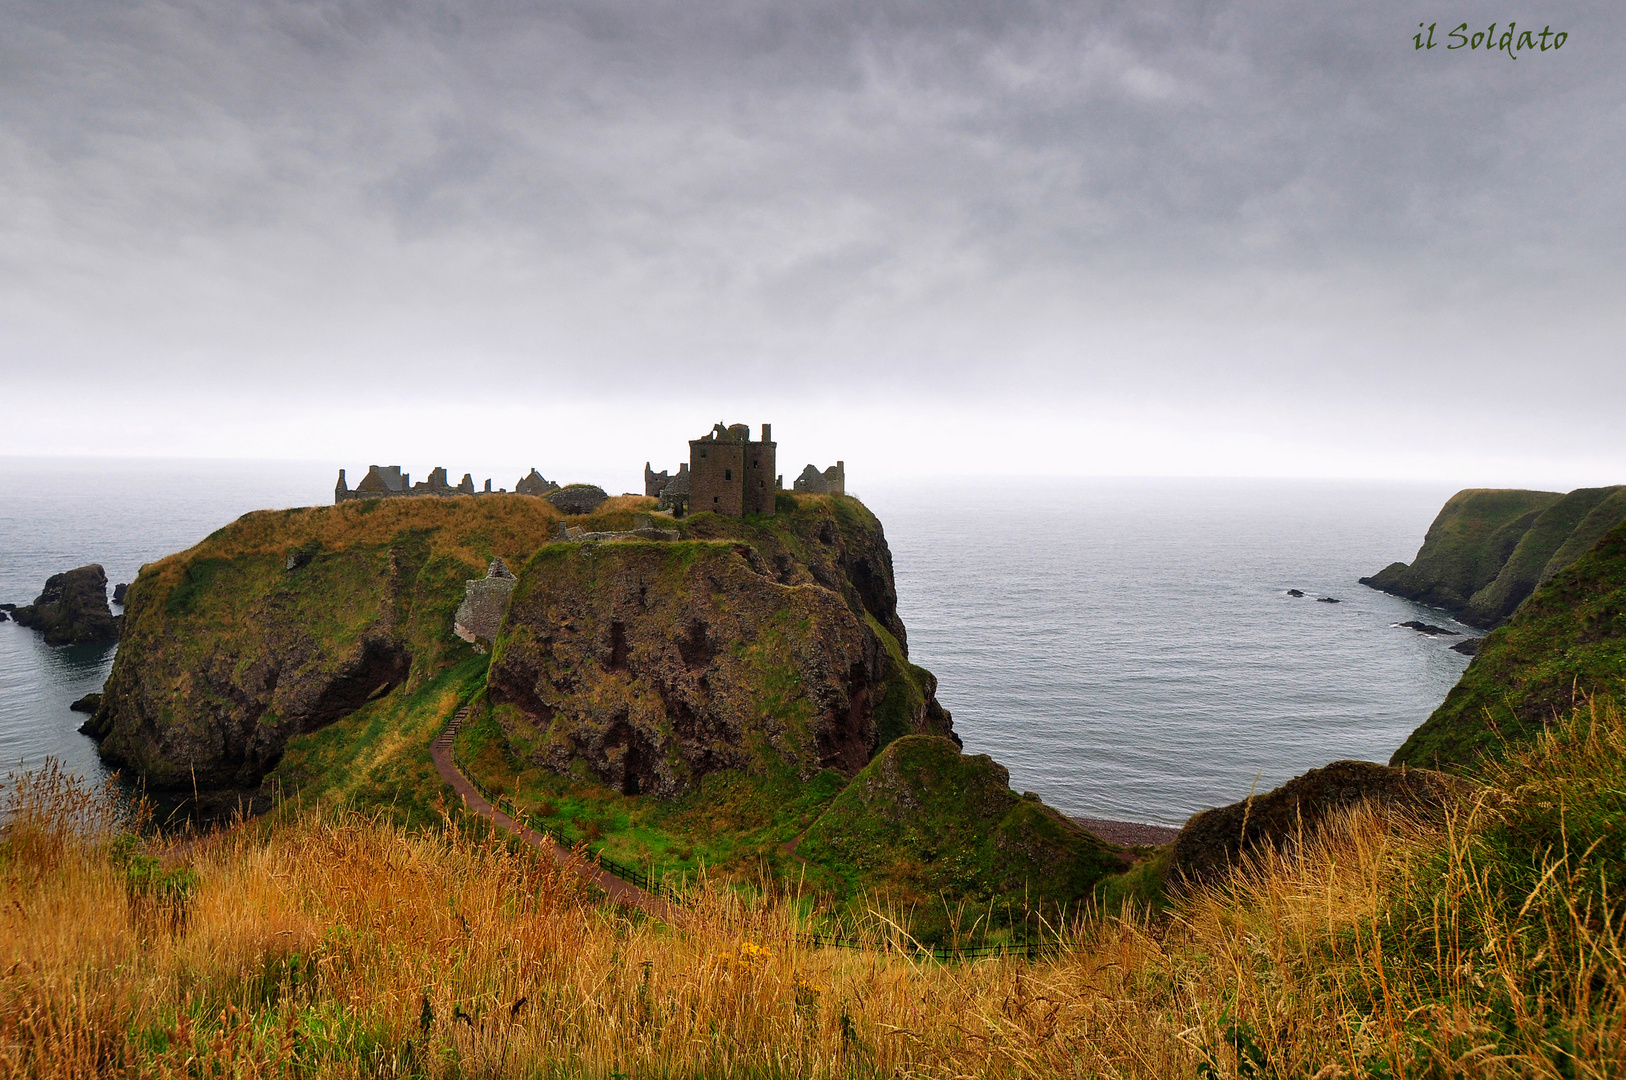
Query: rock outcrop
x=652, y=664
x=1490, y=549
x=228, y=652
x=72, y=609
x=578, y=498
x=1215, y=840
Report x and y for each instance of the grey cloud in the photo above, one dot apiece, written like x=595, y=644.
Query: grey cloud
x=1209, y=193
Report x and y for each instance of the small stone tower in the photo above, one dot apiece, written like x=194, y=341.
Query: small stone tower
x=729, y=474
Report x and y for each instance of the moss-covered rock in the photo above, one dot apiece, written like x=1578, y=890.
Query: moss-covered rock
x=1466, y=547
x=751, y=644
x=1214, y=840
x=1567, y=641
x=926, y=820
x=1536, y=558
x=285, y=621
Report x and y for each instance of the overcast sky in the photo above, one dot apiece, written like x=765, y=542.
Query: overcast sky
x=1189, y=238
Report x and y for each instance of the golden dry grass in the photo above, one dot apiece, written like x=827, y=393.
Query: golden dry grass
x=513, y=526
x=338, y=945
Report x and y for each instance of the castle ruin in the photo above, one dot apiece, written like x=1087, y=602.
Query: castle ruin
x=389, y=482
x=728, y=473
x=832, y=481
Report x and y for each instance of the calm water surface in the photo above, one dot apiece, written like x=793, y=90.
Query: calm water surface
x=1125, y=648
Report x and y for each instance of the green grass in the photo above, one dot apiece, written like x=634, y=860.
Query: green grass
x=1567, y=641
x=1535, y=558
x=733, y=823
x=1466, y=546
x=377, y=758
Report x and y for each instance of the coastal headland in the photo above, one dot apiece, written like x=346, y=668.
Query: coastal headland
x=727, y=691
x=705, y=817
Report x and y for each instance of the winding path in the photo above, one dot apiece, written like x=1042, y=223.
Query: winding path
x=620, y=892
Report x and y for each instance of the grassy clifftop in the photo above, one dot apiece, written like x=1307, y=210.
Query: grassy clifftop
x=1488, y=549
x=1568, y=640
x=285, y=621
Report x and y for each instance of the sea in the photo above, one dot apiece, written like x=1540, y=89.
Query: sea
x=1126, y=648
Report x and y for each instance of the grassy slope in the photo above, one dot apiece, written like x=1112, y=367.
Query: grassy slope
x=1605, y=516
x=1568, y=638
x=444, y=542
x=377, y=758
x=923, y=820
x=1532, y=560
x=1466, y=546
x=334, y=944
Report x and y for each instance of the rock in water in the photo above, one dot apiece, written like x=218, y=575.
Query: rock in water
x=118, y=593
x=1328, y=600
x=1467, y=646
x=1295, y=592
x=87, y=704
x=72, y=610
x=1428, y=628
x=1214, y=840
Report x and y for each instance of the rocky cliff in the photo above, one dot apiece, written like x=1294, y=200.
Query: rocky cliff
x=752, y=644
x=1564, y=643
x=1489, y=549
x=284, y=621
x=72, y=608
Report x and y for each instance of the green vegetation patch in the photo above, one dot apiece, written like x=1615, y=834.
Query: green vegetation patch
x=377, y=758
x=1466, y=547
x=1567, y=641
x=923, y=820
x=732, y=824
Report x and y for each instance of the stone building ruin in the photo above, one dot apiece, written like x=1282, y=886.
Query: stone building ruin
x=389, y=482
x=535, y=484
x=832, y=481
x=485, y=602
x=732, y=475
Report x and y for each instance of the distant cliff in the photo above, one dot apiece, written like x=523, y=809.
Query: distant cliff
x=1489, y=549
x=1566, y=642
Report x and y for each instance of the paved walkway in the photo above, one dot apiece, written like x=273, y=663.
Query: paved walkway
x=620, y=892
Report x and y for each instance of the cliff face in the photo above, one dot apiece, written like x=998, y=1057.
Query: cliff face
x=72, y=608
x=1567, y=641
x=754, y=644
x=285, y=621
x=1489, y=549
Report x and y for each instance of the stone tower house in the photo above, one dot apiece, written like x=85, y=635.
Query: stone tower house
x=729, y=474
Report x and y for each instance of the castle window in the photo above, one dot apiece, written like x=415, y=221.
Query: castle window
x=728, y=474
x=716, y=498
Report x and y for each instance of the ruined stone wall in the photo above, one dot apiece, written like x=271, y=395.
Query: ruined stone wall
x=716, y=476
x=761, y=483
